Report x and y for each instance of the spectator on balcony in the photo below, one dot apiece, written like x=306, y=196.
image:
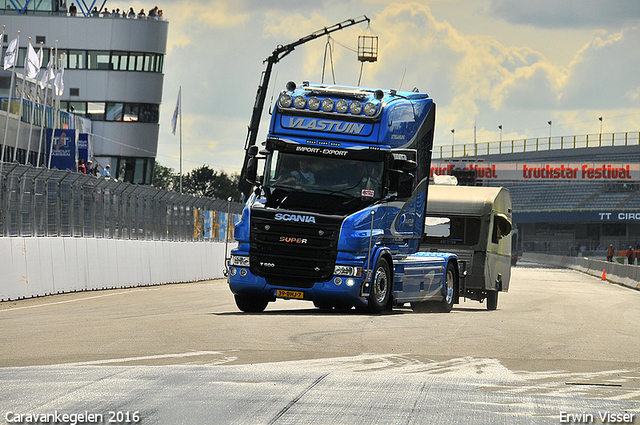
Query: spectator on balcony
x=82, y=168
x=131, y=14
x=73, y=10
x=106, y=173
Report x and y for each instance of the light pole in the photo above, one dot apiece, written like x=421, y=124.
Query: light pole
x=453, y=132
x=549, y=131
x=500, y=127
x=600, y=119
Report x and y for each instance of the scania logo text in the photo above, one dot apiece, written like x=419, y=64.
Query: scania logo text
x=295, y=217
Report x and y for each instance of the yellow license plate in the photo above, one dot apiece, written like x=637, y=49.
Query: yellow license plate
x=289, y=294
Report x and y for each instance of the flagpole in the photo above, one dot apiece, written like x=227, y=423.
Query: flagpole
x=3, y=146
x=13, y=77
x=44, y=105
x=33, y=104
x=180, y=114
x=21, y=107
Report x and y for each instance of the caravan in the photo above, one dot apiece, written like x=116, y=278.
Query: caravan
x=473, y=222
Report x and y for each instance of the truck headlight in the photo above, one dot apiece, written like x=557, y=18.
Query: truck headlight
x=355, y=107
x=314, y=103
x=239, y=261
x=370, y=109
x=299, y=102
x=285, y=100
x=347, y=271
x=341, y=106
x=327, y=105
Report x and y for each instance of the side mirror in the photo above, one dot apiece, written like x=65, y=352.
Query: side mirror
x=409, y=165
x=252, y=165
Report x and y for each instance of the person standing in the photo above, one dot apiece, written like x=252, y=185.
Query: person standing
x=106, y=173
x=630, y=255
x=610, y=252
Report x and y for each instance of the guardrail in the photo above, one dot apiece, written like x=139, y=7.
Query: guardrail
x=537, y=144
x=36, y=202
x=622, y=274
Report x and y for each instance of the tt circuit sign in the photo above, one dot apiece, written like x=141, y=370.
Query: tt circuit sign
x=614, y=216
x=546, y=171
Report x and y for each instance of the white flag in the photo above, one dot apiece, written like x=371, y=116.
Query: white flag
x=40, y=56
x=176, y=112
x=59, y=82
x=32, y=62
x=11, y=55
x=48, y=74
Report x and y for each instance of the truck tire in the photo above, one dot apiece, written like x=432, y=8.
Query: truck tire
x=251, y=304
x=381, y=287
x=492, y=300
x=446, y=305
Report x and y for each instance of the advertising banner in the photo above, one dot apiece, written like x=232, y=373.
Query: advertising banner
x=61, y=149
x=83, y=147
x=542, y=171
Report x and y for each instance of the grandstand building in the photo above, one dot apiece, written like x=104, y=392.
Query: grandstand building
x=113, y=76
x=568, y=197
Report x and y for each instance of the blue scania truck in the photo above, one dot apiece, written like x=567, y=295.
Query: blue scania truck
x=337, y=211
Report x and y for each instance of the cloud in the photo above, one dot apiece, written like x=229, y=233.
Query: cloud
x=217, y=52
x=567, y=13
x=604, y=73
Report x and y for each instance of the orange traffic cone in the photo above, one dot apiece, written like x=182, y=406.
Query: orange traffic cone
x=604, y=274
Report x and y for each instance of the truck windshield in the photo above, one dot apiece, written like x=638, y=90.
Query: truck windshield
x=337, y=185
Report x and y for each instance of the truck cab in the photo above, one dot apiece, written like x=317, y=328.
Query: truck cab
x=338, y=207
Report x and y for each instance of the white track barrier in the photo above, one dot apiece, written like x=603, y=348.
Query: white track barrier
x=32, y=267
x=622, y=274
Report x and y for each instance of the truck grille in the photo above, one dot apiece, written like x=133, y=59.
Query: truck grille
x=293, y=254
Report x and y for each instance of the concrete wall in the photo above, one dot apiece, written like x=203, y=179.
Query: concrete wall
x=31, y=267
x=623, y=274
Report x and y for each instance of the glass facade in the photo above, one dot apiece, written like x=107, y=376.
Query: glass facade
x=112, y=111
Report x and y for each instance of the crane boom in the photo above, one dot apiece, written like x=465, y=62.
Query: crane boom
x=279, y=53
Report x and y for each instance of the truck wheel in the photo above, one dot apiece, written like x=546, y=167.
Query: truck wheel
x=380, y=287
x=492, y=300
x=251, y=304
x=449, y=289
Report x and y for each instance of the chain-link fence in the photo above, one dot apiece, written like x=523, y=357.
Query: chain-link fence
x=41, y=202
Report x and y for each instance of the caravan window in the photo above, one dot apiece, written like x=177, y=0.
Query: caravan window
x=452, y=230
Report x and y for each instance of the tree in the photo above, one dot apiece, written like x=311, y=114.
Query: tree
x=164, y=177
x=205, y=181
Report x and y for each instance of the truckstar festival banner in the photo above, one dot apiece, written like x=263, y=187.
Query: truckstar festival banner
x=542, y=171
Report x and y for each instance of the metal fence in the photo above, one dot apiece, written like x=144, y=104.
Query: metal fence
x=41, y=202
x=537, y=144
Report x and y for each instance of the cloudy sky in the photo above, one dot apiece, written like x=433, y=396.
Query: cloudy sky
x=514, y=63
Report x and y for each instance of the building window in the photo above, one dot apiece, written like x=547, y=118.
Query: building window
x=98, y=60
x=74, y=92
x=127, y=112
x=119, y=61
x=130, y=112
x=96, y=111
x=41, y=39
x=75, y=59
x=114, y=111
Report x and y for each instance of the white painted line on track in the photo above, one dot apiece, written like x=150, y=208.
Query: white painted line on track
x=69, y=301
x=224, y=359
